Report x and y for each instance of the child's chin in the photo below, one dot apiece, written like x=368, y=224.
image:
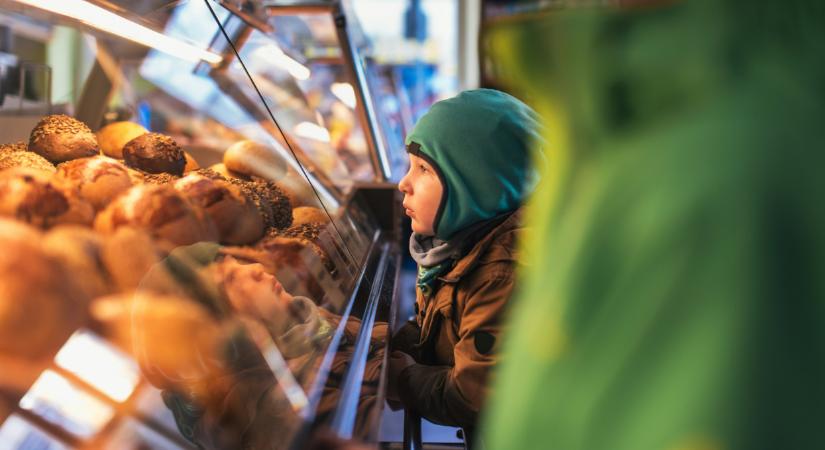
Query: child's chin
x=421, y=230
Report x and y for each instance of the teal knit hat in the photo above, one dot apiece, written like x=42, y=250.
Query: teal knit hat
x=481, y=143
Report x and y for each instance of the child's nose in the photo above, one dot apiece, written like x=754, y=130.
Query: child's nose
x=404, y=185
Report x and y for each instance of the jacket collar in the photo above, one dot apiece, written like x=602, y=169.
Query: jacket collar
x=471, y=259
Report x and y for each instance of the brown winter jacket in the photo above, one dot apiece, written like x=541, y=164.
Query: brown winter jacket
x=454, y=338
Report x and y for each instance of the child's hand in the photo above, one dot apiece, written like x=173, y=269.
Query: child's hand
x=398, y=361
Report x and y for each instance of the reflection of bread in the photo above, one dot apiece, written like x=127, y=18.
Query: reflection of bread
x=17, y=155
x=79, y=249
x=308, y=214
x=114, y=136
x=97, y=179
x=160, y=210
x=29, y=196
x=174, y=339
x=154, y=153
x=61, y=138
x=40, y=305
x=253, y=159
x=127, y=273
x=237, y=219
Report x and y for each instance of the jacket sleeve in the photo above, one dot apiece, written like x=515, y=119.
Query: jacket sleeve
x=454, y=395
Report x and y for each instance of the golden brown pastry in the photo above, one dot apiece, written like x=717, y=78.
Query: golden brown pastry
x=154, y=153
x=308, y=214
x=236, y=217
x=98, y=179
x=16, y=155
x=61, y=138
x=79, y=249
x=40, y=305
x=162, y=211
x=114, y=136
x=251, y=158
x=29, y=195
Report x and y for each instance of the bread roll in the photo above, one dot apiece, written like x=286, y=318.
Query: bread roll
x=61, y=138
x=236, y=217
x=16, y=155
x=221, y=169
x=18, y=146
x=128, y=255
x=251, y=158
x=114, y=136
x=40, y=305
x=79, y=249
x=29, y=195
x=97, y=179
x=308, y=214
x=154, y=153
x=162, y=211
x=269, y=199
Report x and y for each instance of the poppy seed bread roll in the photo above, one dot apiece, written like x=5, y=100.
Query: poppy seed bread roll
x=154, y=153
x=236, y=217
x=61, y=138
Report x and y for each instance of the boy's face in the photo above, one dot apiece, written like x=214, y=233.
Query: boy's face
x=422, y=194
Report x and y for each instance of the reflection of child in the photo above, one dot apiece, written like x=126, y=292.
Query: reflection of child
x=470, y=170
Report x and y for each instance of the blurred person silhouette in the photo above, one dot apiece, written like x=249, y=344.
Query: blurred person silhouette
x=674, y=296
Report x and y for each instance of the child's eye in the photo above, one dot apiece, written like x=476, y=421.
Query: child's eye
x=423, y=168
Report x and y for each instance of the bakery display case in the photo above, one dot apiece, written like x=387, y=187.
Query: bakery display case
x=200, y=236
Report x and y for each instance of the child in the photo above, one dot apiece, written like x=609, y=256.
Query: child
x=470, y=171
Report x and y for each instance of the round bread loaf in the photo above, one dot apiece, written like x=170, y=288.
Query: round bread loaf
x=236, y=217
x=163, y=212
x=251, y=158
x=29, y=195
x=97, y=179
x=268, y=198
x=17, y=155
x=308, y=214
x=114, y=136
x=154, y=153
x=79, y=249
x=18, y=146
x=41, y=305
x=61, y=138
x=221, y=169
x=127, y=274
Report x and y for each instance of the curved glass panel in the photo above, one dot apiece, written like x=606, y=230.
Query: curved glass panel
x=182, y=243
